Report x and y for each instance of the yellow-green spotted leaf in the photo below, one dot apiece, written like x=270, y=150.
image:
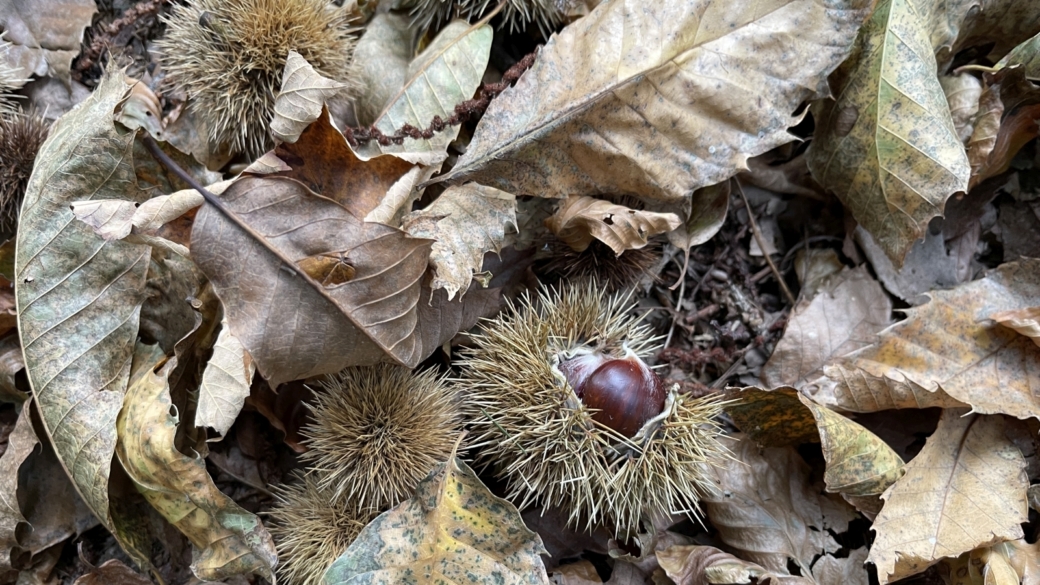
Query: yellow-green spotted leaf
x=859, y=463
x=772, y=418
x=226, y=539
x=453, y=530
x=886, y=145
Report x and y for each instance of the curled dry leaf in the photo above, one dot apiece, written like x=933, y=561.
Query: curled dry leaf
x=766, y=509
x=950, y=345
x=580, y=219
x=466, y=222
x=707, y=213
x=225, y=383
x=658, y=99
x=20, y=444
x=302, y=98
x=453, y=530
x=227, y=540
x=845, y=316
x=1025, y=321
x=962, y=94
x=887, y=146
x=964, y=490
x=446, y=73
x=771, y=418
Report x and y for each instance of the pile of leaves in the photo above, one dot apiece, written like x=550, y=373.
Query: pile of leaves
x=828, y=211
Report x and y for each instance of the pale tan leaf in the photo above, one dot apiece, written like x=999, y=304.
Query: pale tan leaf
x=446, y=73
x=400, y=197
x=303, y=95
x=845, y=316
x=983, y=138
x=887, y=146
x=998, y=569
x=225, y=383
x=228, y=540
x=381, y=57
x=766, y=510
x=964, y=490
x=950, y=344
x=962, y=94
x=466, y=221
x=20, y=444
x=848, y=570
x=1024, y=321
x=46, y=34
x=707, y=564
x=579, y=573
x=657, y=99
x=109, y=218
x=856, y=390
x=454, y=530
x=581, y=219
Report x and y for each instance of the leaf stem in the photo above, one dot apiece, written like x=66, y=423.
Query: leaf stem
x=762, y=244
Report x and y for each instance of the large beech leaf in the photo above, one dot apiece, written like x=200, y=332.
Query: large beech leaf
x=446, y=73
x=227, y=540
x=950, y=344
x=887, y=145
x=466, y=221
x=656, y=99
x=79, y=296
x=453, y=530
x=767, y=511
x=358, y=308
x=965, y=489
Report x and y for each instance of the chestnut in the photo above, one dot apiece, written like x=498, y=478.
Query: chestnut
x=625, y=393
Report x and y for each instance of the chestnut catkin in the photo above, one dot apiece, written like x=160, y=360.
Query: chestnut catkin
x=643, y=452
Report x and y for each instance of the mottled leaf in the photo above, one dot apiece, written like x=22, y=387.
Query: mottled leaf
x=302, y=98
x=446, y=73
x=227, y=540
x=773, y=418
x=581, y=219
x=225, y=383
x=658, y=99
x=887, y=146
x=466, y=221
x=965, y=489
x=454, y=530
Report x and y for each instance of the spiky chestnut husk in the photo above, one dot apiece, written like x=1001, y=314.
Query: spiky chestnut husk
x=21, y=136
x=227, y=56
x=379, y=430
x=517, y=14
x=311, y=530
x=600, y=264
x=530, y=427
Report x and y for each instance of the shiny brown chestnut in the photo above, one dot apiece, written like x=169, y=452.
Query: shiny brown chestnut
x=624, y=392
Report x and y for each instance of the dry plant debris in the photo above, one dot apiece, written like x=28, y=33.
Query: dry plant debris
x=706, y=291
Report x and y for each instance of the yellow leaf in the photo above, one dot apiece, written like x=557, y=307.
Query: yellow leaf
x=887, y=145
x=964, y=490
x=227, y=540
x=452, y=531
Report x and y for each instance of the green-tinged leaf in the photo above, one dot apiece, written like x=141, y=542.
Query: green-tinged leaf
x=772, y=418
x=447, y=73
x=859, y=463
x=79, y=297
x=656, y=99
x=454, y=530
x=227, y=540
x=706, y=216
x=466, y=221
x=381, y=57
x=887, y=146
x=225, y=383
x=302, y=98
x=20, y=444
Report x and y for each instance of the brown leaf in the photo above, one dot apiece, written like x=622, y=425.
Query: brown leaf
x=658, y=99
x=771, y=418
x=999, y=25
x=1025, y=321
x=301, y=99
x=11, y=362
x=707, y=213
x=20, y=444
x=46, y=34
x=581, y=219
x=845, y=316
x=1008, y=109
x=965, y=489
x=849, y=570
x=112, y=572
x=766, y=510
x=709, y=565
x=466, y=221
x=949, y=344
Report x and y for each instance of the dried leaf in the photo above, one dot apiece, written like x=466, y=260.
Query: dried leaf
x=965, y=489
x=658, y=99
x=302, y=98
x=859, y=463
x=950, y=344
x=446, y=73
x=999, y=25
x=856, y=390
x=381, y=57
x=707, y=214
x=112, y=572
x=766, y=510
x=580, y=219
x=887, y=146
x=707, y=564
x=849, y=570
x=466, y=221
x=843, y=317
x=225, y=383
x=962, y=94
x=453, y=530
x=20, y=444
x=11, y=362
x=771, y=418
x=1025, y=321
x=227, y=540
x=80, y=297
x=45, y=34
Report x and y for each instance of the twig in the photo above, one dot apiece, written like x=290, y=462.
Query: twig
x=762, y=245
